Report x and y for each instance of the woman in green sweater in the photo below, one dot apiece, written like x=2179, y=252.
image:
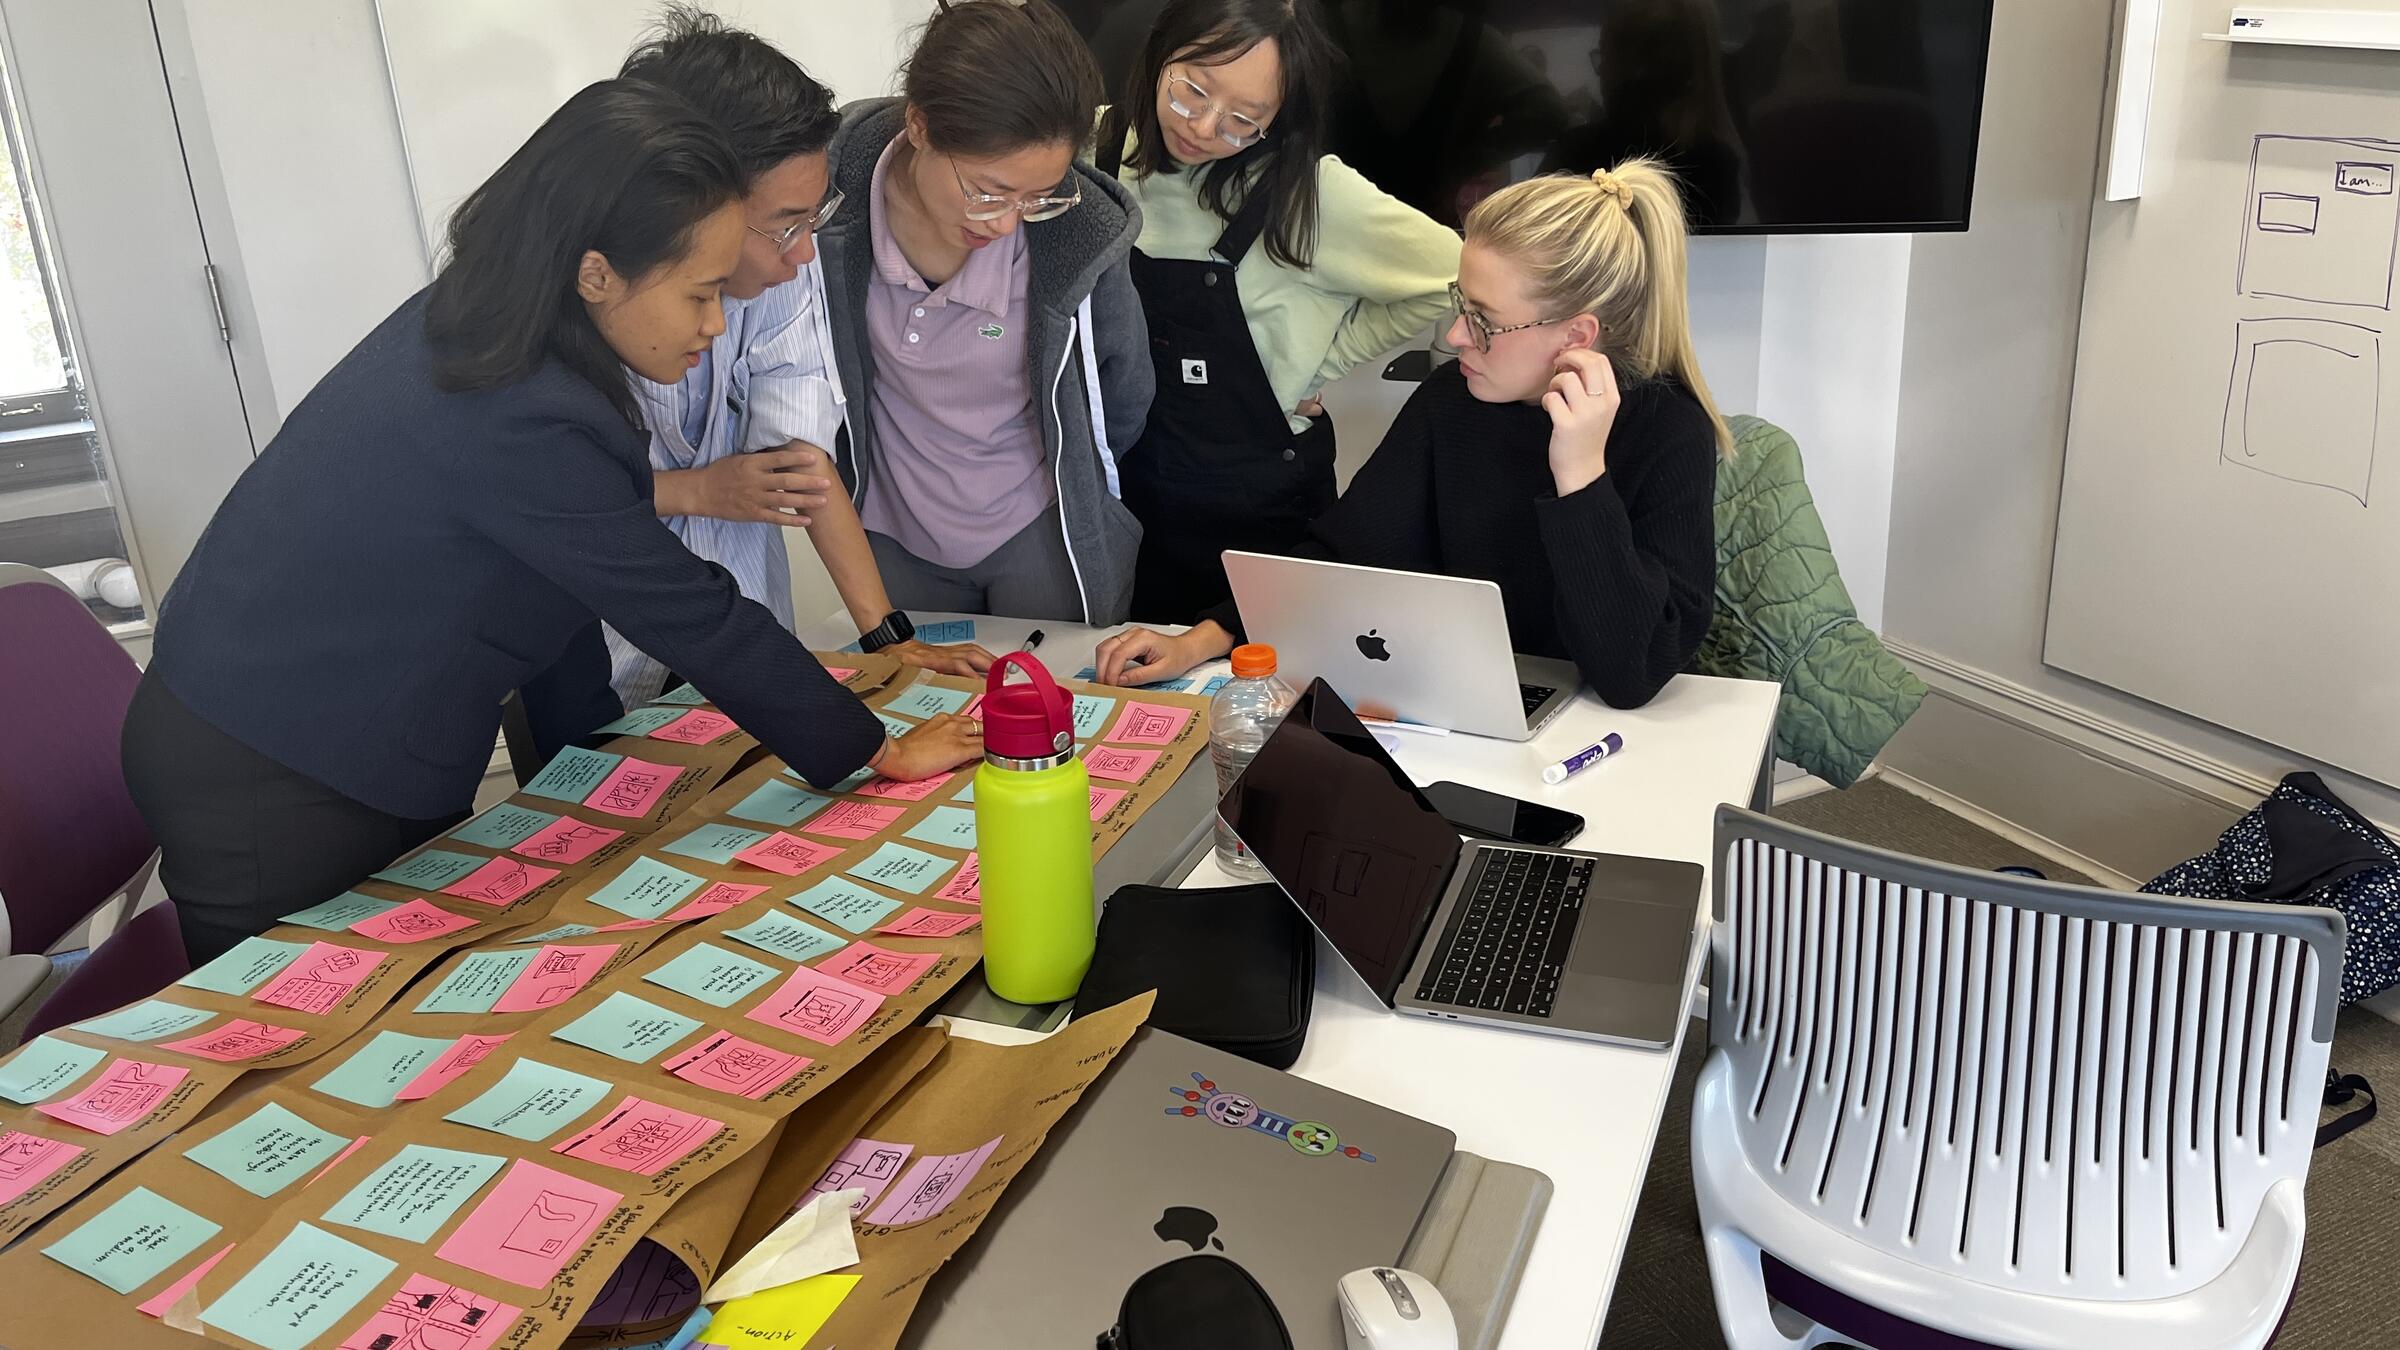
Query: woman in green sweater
x=1267, y=269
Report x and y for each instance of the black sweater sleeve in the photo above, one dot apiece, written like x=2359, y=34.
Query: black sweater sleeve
x=1634, y=552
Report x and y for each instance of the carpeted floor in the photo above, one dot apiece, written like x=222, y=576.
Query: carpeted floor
x=1662, y=1299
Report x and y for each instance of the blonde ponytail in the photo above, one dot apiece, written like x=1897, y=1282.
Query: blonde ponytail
x=1610, y=245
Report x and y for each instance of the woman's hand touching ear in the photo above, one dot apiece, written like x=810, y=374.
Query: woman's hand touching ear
x=1582, y=402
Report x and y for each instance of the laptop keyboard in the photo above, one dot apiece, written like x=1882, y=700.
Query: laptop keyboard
x=1535, y=696
x=1506, y=945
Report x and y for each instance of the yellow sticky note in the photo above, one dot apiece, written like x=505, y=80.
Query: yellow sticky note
x=784, y=1316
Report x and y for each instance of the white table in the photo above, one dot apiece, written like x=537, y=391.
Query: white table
x=1583, y=1113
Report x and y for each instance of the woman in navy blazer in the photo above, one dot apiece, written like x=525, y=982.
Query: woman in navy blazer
x=450, y=515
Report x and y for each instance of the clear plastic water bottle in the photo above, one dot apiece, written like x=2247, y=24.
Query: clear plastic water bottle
x=1240, y=718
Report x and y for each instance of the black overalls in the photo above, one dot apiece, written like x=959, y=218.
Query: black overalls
x=1218, y=466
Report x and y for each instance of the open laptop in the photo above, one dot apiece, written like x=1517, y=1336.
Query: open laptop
x=1406, y=646
x=1182, y=1149
x=1542, y=939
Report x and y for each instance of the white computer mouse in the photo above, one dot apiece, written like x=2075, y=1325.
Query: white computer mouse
x=1385, y=1308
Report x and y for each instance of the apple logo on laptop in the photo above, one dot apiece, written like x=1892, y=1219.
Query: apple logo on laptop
x=1373, y=647
x=1193, y=1227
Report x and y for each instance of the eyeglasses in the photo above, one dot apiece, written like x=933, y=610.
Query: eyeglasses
x=985, y=206
x=789, y=235
x=1484, y=330
x=1190, y=101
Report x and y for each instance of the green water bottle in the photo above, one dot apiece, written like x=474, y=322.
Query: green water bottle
x=1033, y=827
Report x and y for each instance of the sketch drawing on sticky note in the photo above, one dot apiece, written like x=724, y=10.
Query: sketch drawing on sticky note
x=426, y=1314
x=551, y=1225
x=647, y=1137
x=2321, y=221
x=823, y=1010
x=499, y=883
x=569, y=843
x=28, y=1155
x=2305, y=403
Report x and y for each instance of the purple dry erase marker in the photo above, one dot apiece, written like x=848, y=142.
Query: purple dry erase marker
x=1576, y=763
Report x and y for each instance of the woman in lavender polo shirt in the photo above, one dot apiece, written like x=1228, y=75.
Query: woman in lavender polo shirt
x=985, y=324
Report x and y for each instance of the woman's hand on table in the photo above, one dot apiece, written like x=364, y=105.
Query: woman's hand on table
x=1140, y=656
x=942, y=743
x=965, y=658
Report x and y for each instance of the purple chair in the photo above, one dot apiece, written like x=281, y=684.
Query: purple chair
x=71, y=843
x=136, y=961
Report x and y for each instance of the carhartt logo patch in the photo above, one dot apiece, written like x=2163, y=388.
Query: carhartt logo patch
x=991, y=331
x=1195, y=372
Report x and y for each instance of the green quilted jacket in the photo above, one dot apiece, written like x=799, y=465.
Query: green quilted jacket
x=1784, y=615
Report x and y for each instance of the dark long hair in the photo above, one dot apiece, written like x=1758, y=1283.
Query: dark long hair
x=768, y=105
x=991, y=77
x=625, y=168
x=1209, y=32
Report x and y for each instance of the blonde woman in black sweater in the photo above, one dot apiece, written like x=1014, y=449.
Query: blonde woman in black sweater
x=1570, y=456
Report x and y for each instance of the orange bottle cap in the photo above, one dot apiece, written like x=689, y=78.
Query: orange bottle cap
x=1253, y=660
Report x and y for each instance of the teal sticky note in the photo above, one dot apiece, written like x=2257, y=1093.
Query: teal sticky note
x=250, y=963
x=715, y=843
x=639, y=722
x=787, y=937
x=683, y=696
x=843, y=901
x=947, y=631
x=1215, y=683
x=966, y=794
x=562, y=933
x=133, y=1241
x=43, y=1067
x=713, y=975
x=310, y=1284
x=270, y=1149
x=504, y=826
x=949, y=826
x=373, y=1074
x=628, y=1028
x=148, y=1020
x=853, y=783
x=430, y=870
x=779, y=803
x=476, y=982
x=411, y=1196
x=903, y=868
x=928, y=700
x=647, y=888
x=898, y=726
x=1091, y=714
x=532, y=1101
x=573, y=774
x=340, y=912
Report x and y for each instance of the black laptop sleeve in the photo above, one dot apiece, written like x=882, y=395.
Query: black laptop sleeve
x=1235, y=968
x=1198, y=1302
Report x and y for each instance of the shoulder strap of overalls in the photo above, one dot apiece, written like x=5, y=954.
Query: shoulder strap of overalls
x=1240, y=232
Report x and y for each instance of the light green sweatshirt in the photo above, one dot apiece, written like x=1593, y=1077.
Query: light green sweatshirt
x=1382, y=272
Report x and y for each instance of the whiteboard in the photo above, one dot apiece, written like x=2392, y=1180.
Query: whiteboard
x=473, y=78
x=2229, y=525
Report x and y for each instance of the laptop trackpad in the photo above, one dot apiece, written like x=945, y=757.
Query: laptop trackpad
x=1635, y=940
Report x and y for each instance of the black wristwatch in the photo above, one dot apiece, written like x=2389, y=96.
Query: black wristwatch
x=894, y=628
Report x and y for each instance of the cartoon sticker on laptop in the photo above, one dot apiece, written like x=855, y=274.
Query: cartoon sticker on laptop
x=1237, y=1112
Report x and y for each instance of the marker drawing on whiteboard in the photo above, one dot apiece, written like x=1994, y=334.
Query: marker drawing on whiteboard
x=1583, y=759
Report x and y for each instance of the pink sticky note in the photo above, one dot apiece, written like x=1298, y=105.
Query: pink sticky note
x=866, y=1165
x=840, y=672
x=416, y=921
x=1149, y=724
x=1125, y=766
x=336, y=1160
x=125, y=1092
x=553, y=977
x=728, y=1063
x=853, y=820
x=322, y=977
x=530, y=1226
x=567, y=840
x=930, y=923
x=878, y=968
x=697, y=727
x=966, y=888
x=157, y=1304
x=642, y=1137
x=714, y=899
x=1104, y=800
x=893, y=791
x=824, y=1010
x=25, y=1159
x=236, y=1041
x=425, y=1313
x=929, y=1185
x=974, y=707
x=499, y=882
x=464, y=1053
x=787, y=853
x=632, y=789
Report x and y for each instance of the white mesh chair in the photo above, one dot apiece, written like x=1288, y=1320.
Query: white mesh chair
x=1950, y=1109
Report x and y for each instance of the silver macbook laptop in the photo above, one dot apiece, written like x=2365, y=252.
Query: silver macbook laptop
x=1184, y=1149
x=1404, y=646
x=1542, y=939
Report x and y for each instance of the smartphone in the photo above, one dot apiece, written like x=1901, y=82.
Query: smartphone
x=1488, y=815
